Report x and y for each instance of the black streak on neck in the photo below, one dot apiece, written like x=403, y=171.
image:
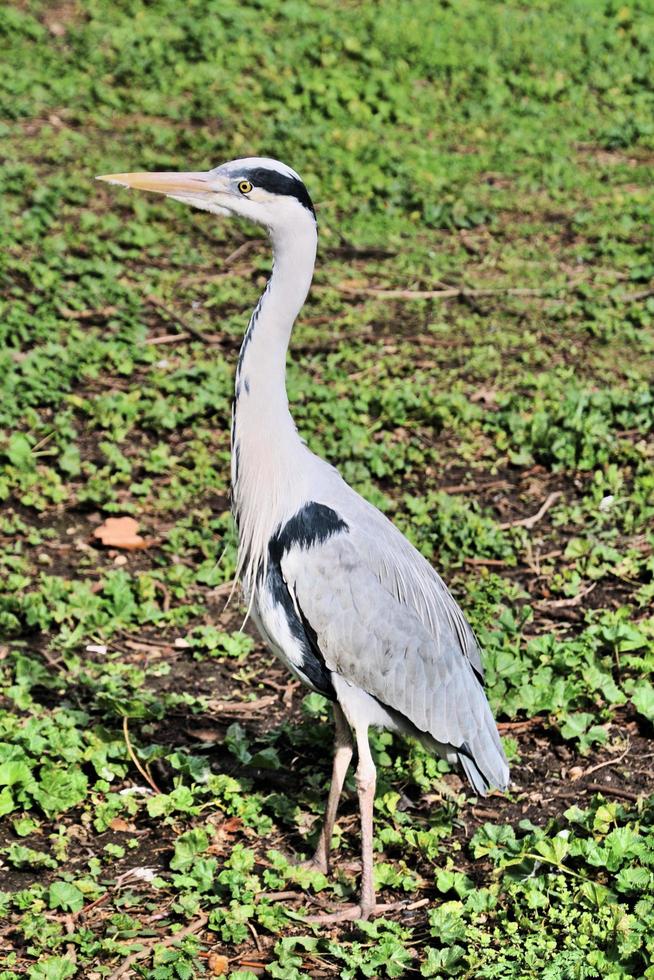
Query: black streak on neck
x=247, y=339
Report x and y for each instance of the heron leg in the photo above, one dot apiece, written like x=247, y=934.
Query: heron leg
x=343, y=749
x=366, y=779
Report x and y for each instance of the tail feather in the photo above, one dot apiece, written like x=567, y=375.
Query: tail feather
x=484, y=762
x=481, y=758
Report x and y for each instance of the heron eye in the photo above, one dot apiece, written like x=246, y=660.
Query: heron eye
x=244, y=186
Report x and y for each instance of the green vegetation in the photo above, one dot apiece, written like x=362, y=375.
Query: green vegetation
x=157, y=768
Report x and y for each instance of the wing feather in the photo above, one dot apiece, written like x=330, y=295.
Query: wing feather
x=377, y=631
x=407, y=574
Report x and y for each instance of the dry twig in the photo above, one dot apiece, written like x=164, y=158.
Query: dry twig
x=241, y=707
x=529, y=522
x=485, y=814
x=634, y=297
x=98, y=314
x=167, y=338
x=625, y=794
x=283, y=896
x=92, y=905
x=71, y=949
x=152, y=648
x=130, y=751
x=141, y=954
x=455, y=291
x=574, y=600
x=255, y=936
x=521, y=726
x=174, y=318
x=242, y=250
x=492, y=562
x=608, y=762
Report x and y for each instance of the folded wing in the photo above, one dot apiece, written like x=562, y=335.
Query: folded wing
x=375, y=627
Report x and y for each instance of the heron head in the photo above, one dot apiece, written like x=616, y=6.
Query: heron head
x=261, y=189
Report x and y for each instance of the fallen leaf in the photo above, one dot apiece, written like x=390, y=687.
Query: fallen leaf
x=121, y=532
x=486, y=395
x=218, y=964
x=203, y=734
x=231, y=825
x=223, y=834
x=120, y=825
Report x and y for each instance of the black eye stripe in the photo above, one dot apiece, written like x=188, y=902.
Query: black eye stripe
x=276, y=183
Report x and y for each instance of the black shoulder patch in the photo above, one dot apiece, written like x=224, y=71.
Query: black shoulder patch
x=313, y=665
x=276, y=183
x=313, y=524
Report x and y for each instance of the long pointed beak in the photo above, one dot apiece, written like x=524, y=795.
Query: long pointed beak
x=164, y=183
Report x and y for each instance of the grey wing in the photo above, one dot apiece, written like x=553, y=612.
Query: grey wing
x=374, y=640
x=411, y=579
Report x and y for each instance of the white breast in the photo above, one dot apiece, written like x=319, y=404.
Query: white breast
x=270, y=619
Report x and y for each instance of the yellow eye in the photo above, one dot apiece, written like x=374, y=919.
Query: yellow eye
x=244, y=186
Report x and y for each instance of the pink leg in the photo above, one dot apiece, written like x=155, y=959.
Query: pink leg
x=366, y=782
x=343, y=749
x=366, y=778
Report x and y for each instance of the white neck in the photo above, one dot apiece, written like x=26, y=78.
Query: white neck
x=268, y=456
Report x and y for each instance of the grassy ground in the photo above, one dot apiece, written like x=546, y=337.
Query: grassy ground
x=157, y=768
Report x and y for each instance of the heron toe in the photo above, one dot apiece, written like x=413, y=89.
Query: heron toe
x=356, y=913
x=317, y=862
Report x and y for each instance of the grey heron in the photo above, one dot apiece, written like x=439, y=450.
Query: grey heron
x=335, y=589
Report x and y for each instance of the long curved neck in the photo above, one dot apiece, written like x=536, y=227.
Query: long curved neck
x=261, y=372
x=267, y=453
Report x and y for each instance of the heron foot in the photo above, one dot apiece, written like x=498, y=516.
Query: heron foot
x=354, y=913
x=316, y=863
x=319, y=860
